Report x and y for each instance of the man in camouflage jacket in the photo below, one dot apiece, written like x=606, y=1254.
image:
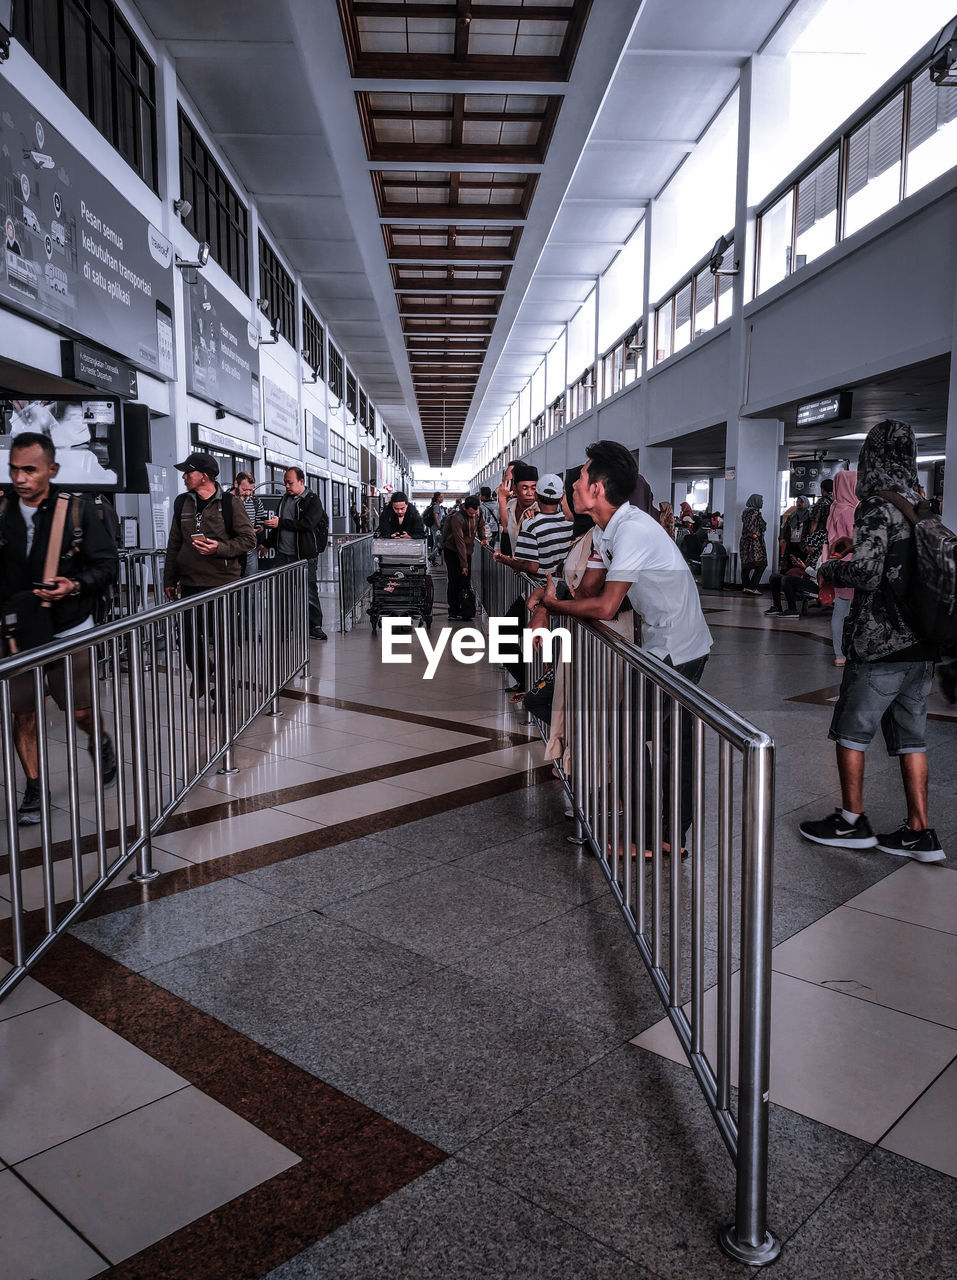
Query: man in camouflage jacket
x=890, y=669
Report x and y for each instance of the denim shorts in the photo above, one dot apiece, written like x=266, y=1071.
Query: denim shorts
x=890, y=694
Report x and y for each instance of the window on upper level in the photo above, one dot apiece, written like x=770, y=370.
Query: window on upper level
x=314, y=340
x=277, y=287
x=90, y=51
x=217, y=216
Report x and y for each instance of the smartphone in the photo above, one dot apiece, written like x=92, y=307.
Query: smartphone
x=44, y=586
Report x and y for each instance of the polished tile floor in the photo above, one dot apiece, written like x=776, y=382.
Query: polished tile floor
x=379, y=1019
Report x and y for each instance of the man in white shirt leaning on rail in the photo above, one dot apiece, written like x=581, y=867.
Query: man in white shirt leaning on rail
x=642, y=562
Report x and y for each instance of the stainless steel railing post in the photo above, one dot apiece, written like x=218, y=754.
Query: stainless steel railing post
x=747, y=1239
x=145, y=871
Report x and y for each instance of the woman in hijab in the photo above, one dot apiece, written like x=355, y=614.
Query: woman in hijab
x=751, y=545
x=840, y=524
x=666, y=518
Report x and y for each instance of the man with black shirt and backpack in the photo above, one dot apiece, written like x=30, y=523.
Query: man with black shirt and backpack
x=300, y=531
x=56, y=561
x=209, y=539
x=890, y=665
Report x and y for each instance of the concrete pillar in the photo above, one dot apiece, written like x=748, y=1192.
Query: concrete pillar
x=654, y=463
x=751, y=454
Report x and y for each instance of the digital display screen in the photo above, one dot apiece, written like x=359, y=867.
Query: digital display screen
x=87, y=436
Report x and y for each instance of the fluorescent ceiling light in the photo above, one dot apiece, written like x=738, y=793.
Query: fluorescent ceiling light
x=932, y=457
x=862, y=435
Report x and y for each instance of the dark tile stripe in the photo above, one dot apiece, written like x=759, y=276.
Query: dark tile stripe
x=351, y=1157
x=821, y=698
x=494, y=740
x=123, y=893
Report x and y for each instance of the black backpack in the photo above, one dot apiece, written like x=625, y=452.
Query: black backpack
x=929, y=604
x=225, y=506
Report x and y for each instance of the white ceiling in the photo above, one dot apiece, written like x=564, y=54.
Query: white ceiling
x=273, y=85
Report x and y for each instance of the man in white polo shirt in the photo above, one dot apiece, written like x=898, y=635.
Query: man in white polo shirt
x=639, y=560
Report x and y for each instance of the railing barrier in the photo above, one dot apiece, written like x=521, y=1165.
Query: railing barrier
x=169, y=690
x=628, y=717
x=355, y=565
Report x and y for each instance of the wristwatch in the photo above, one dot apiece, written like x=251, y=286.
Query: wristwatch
x=76, y=589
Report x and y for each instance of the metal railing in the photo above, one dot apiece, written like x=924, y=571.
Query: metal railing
x=139, y=584
x=166, y=692
x=628, y=717
x=355, y=565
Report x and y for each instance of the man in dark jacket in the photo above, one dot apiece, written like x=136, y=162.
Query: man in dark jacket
x=400, y=519
x=202, y=553
x=889, y=670
x=459, y=531
x=300, y=531
x=86, y=568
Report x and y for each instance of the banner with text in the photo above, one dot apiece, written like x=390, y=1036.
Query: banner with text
x=223, y=364
x=75, y=253
x=281, y=413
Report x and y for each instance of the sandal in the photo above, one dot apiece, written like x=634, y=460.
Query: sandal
x=516, y=695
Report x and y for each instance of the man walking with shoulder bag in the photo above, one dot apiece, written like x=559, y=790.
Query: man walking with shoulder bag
x=56, y=561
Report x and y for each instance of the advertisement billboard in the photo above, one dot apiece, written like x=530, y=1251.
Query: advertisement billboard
x=75, y=253
x=223, y=364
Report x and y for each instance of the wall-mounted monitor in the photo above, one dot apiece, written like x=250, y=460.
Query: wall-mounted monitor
x=87, y=435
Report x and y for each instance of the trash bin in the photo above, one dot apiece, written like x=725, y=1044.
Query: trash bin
x=714, y=566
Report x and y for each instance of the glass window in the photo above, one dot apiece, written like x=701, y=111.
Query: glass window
x=90, y=52
x=555, y=368
x=218, y=216
x=932, y=135
x=581, y=338
x=335, y=372
x=815, y=226
x=774, y=242
x=277, y=287
x=874, y=165
x=337, y=448
x=338, y=498
x=314, y=340
x=683, y=317
x=704, y=283
x=664, y=319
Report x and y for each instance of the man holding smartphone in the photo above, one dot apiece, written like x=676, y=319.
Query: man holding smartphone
x=207, y=548
x=86, y=565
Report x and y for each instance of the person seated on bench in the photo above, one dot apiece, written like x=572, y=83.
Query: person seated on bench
x=799, y=580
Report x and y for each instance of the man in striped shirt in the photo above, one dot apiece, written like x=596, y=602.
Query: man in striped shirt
x=244, y=487
x=544, y=540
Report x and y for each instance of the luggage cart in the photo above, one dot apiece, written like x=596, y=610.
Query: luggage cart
x=401, y=584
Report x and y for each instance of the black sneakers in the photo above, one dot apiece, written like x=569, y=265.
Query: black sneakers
x=317, y=633
x=28, y=815
x=107, y=758
x=837, y=831
x=922, y=846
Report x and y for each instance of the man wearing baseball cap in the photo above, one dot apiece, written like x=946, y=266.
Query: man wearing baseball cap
x=544, y=540
x=542, y=543
x=208, y=541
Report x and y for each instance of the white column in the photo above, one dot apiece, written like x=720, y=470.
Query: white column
x=751, y=453
x=654, y=463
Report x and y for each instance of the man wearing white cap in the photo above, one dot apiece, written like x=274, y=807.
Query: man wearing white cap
x=543, y=541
